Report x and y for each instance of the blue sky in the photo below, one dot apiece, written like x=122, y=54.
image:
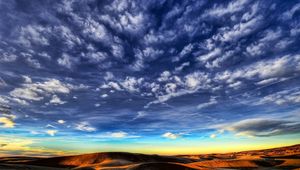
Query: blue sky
x=129, y=75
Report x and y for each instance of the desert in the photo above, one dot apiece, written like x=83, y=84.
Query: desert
x=283, y=158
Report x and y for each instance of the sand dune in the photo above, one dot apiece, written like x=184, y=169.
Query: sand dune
x=277, y=158
x=105, y=159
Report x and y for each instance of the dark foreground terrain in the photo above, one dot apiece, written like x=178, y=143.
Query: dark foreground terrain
x=284, y=158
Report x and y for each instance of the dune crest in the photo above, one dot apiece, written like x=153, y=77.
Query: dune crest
x=276, y=158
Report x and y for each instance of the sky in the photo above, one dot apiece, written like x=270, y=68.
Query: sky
x=161, y=76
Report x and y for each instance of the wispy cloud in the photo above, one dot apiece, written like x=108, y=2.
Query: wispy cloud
x=171, y=135
x=85, y=126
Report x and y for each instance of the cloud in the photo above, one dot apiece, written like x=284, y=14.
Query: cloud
x=56, y=100
x=3, y=101
x=108, y=76
x=269, y=38
x=27, y=79
x=20, y=146
x=164, y=76
x=170, y=135
x=85, y=126
x=279, y=67
x=132, y=84
x=7, y=57
x=140, y=114
x=213, y=136
x=287, y=15
x=184, y=52
x=33, y=34
x=262, y=127
x=145, y=55
x=230, y=8
x=239, y=30
x=113, y=85
x=212, y=101
x=191, y=84
x=25, y=93
x=38, y=90
x=7, y=122
x=211, y=55
x=95, y=30
x=104, y=95
x=61, y=121
x=66, y=61
x=118, y=134
x=291, y=96
x=51, y=132
x=182, y=66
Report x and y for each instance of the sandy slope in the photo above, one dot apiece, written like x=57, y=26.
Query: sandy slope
x=277, y=158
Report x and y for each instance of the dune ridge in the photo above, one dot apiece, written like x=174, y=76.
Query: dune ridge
x=276, y=158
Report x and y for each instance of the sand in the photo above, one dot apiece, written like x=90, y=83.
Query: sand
x=277, y=158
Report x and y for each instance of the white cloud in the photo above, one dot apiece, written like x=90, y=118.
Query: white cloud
x=45, y=55
x=85, y=126
x=2, y=82
x=261, y=127
x=3, y=100
x=25, y=93
x=52, y=86
x=140, y=114
x=95, y=30
x=145, y=55
x=19, y=101
x=51, y=126
x=279, y=67
x=108, y=76
x=61, y=121
x=66, y=61
x=7, y=57
x=37, y=91
x=33, y=34
x=212, y=101
x=118, y=134
x=260, y=46
x=95, y=56
x=56, y=100
x=132, y=84
x=290, y=13
x=113, y=85
x=51, y=132
x=164, y=76
x=33, y=62
x=196, y=80
x=211, y=55
x=27, y=79
x=170, y=87
x=213, y=136
x=191, y=84
x=267, y=81
x=7, y=122
x=182, y=66
x=117, y=50
x=230, y=8
x=290, y=96
x=239, y=30
x=184, y=52
x=66, y=36
x=104, y=95
x=170, y=135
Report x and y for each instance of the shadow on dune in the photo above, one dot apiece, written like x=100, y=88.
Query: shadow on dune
x=277, y=158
